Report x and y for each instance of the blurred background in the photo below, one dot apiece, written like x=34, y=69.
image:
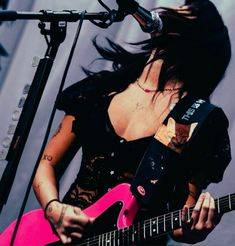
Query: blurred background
x=22, y=46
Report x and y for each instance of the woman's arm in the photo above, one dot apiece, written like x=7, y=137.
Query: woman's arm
x=68, y=221
x=203, y=219
x=45, y=181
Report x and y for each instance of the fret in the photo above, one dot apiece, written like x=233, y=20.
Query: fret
x=180, y=221
x=172, y=222
x=229, y=200
x=233, y=201
x=119, y=232
x=218, y=206
x=157, y=225
x=190, y=210
x=133, y=233
x=115, y=238
x=106, y=239
x=150, y=228
x=164, y=222
x=100, y=240
x=110, y=238
x=144, y=231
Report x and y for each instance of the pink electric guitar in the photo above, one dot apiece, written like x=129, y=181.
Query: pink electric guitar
x=35, y=230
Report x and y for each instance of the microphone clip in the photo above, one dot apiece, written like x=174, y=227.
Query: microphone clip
x=114, y=16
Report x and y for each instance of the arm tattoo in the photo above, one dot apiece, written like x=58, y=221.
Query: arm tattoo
x=38, y=188
x=58, y=130
x=60, y=220
x=39, y=184
x=47, y=157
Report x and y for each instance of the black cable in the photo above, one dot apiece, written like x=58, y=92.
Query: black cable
x=48, y=128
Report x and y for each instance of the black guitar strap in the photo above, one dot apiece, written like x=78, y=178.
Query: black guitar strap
x=162, y=156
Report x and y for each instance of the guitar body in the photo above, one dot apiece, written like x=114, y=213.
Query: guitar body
x=35, y=230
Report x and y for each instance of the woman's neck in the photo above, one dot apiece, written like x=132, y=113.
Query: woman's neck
x=149, y=79
x=150, y=75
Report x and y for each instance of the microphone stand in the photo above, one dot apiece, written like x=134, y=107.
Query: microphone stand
x=57, y=32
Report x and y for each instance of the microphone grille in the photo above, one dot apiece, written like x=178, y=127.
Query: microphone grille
x=158, y=24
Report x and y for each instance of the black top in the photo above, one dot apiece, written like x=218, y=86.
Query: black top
x=108, y=159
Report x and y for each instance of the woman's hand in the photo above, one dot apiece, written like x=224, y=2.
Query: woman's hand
x=203, y=220
x=69, y=221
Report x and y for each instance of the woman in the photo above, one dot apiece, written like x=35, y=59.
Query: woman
x=113, y=115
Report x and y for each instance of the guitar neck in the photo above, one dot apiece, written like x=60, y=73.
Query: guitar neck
x=154, y=227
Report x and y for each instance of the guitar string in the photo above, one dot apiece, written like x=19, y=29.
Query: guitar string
x=223, y=204
x=113, y=232
x=147, y=223
x=222, y=200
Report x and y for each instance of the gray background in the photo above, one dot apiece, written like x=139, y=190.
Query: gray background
x=23, y=41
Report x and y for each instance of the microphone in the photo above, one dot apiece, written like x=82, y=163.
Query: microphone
x=149, y=21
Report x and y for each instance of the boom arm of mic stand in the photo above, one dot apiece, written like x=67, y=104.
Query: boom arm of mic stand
x=49, y=15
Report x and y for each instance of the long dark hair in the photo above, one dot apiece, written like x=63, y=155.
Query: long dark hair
x=195, y=51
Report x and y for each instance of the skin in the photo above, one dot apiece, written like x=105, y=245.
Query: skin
x=133, y=104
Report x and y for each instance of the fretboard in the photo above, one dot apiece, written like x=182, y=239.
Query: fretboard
x=153, y=227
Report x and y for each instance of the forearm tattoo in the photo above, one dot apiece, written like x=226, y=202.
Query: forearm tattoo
x=58, y=130
x=37, y=187
x=47, y=157
x=60, y=220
